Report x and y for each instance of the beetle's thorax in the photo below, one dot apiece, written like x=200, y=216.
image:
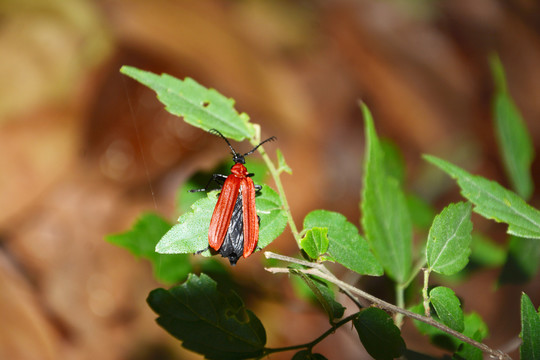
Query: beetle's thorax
x=239, y=170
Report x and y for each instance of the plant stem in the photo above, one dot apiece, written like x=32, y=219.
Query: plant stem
x=425, y=292
x=281, y=191
x=400, y=302
x=311, y=344
x=392, y=308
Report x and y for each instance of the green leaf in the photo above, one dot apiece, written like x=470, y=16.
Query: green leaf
x=474, y=328
x=486, y=253
x=448, y=307
x=307, y=355
x=207, y=321
x=385, y=216
x=380, y=337
x=315, y=242
x=530, y=330
x=512, y=136
x=447, y=250
x=493, y=201
x=282, y=165
x=422, y=213
x=141, y=241
x=345, y=245
x=522, y=261
x=324, y=295
x=393, y=160
x=198, y=106
x=190, y=235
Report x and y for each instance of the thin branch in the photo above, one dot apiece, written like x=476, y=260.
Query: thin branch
x=394, y=309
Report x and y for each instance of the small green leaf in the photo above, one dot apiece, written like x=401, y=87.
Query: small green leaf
x=315, y=242
x=190, y=235
x=141, y=241
x=198, y=106
x=324, y=295
x=385, y=216
x=512, y=136
x=530, y=330
x=380, y=337
x=448, y=307
x=345, y=245
x=522, y=261
x=207, y=321
x=485, y=252
x=282, y=165
x=307, y=355
x=422, y=213
x=493, y=201
x=448, y=250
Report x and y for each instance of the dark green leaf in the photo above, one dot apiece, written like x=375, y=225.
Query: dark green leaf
x=448, y=307
x=474, y=328
x=191, y=233
x=324, y=295
x=422, y=213
x=141, y=241
x=207, y=321
x=315, y=242
x=493, y=201
x=307, y=355
x=198, y=106
x=512, y=136
x=447, y=250
x=380, y=337
x=522, y=261
x=346, y=246
x=385, y=216
x=530, y=330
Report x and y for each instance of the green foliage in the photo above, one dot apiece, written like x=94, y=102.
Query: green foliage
x=282, y=165
x=198, y=106
x=514, y=141
x=207, y=321
x=522, y=261
x=530, y=330
x=448, y=307
x=493, y=201
x=385, y=216
x=422, y=213
x=141, y=241
x=486, y=253
x=324, y=295
x=380, y=337
x=448, y=250
x=191, y=233
x=345, y=245
x=315, y=242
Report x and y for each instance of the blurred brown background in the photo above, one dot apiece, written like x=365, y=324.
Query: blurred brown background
x=84, y=150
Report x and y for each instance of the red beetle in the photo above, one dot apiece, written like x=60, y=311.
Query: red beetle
x=234, y=227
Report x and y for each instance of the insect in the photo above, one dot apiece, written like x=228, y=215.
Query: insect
x=234, y=227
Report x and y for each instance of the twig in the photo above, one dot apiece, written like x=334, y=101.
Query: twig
x=497, y=354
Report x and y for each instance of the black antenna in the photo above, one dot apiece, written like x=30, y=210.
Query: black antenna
x=214, y=131
x=239, y=158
